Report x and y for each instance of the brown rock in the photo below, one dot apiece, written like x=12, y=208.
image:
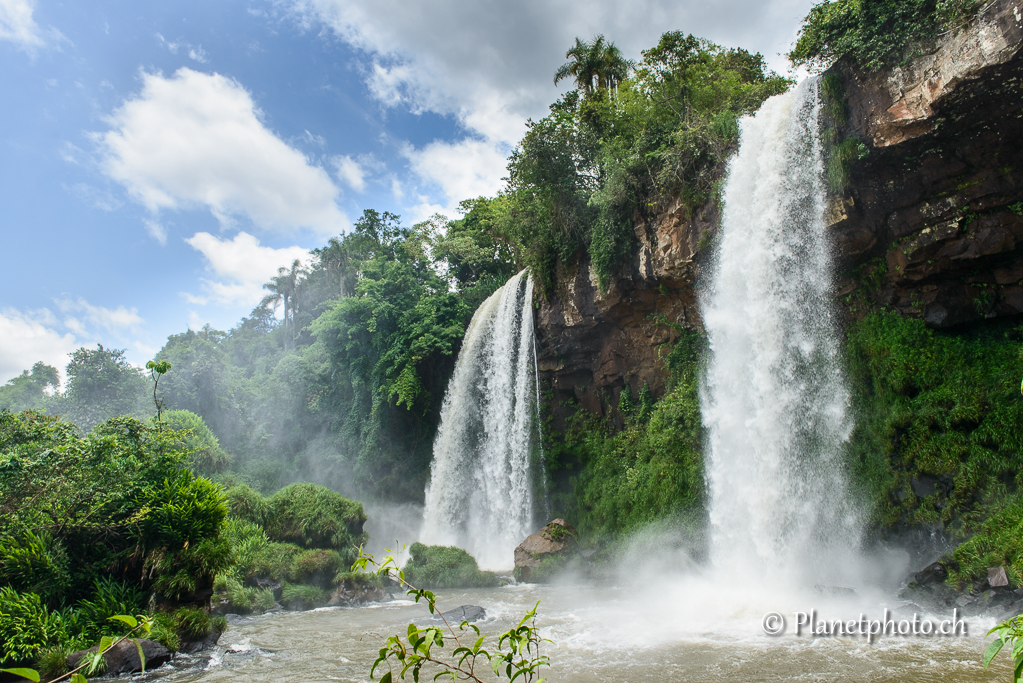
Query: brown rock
x=557, y=539
x=123, y=658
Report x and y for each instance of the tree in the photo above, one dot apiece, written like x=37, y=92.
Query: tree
x=283, y=289
x=30, y=389
x=102, y=384
x=595, y=66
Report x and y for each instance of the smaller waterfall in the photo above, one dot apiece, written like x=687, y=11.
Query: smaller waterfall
x=480, y=495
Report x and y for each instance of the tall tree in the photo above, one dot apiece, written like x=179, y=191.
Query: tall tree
x=283, y=289
x=102, y=384
x=595, y=66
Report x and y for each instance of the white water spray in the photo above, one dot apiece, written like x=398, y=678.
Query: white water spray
x=775, y=403
x=480, y=495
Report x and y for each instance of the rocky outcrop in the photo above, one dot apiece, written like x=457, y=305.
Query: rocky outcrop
x=546, y=551
x=356, y=590
x=591, y=344
x=123, y=658
x=929, y=220
x=470, y=613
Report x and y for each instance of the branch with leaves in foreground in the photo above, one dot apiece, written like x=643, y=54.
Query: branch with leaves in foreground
x=1008, y=633
x=517, y=655
x=92, y=663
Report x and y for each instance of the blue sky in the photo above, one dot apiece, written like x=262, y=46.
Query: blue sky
x=160, y=160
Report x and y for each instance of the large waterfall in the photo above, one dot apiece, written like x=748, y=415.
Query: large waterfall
x=480, y=495
x=774, y=402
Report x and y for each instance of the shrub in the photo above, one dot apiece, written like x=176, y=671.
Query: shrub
x=110, y=597
x=318, y=567
x=998, y=543
x=313, y=516
x=298, y=596
x=34, y=563
x=273, y=561
x=245, y=504
x=165, y=631
x=435, y=566
x=192, y=623
x=205, y=454
x=26, y=626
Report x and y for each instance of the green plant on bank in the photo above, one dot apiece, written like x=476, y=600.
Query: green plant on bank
x=434, y=566
x=94, y=662
x=517, y=655
x=1009, y=633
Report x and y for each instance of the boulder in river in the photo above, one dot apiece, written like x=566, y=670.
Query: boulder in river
x=357, y=589
x=123, y=658
x=468, y=613
x=546, y=551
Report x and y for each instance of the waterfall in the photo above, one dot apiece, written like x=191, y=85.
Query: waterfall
x=480, y=495
x=774, y=402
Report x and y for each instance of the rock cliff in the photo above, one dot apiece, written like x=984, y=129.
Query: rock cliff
x=927, y=217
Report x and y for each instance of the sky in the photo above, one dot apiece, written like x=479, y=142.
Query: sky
x=159, y=161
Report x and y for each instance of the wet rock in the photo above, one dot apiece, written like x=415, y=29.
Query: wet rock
x=355, y=591
x=470, y=613
x=123, y=658
x=205, y=643
x=555, y=543
x=996, y=577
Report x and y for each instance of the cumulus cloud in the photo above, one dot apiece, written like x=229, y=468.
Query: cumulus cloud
x=18, y=26
x=240, y=266
x=351, y=173
x=30, y=337
x=490, y=64
x=462, y=170
x=83, y=316
x=198, y=139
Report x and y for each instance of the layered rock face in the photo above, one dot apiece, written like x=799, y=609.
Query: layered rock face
x=590, y=344
x=928, y=221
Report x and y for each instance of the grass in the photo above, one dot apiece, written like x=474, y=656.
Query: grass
x=299, y=596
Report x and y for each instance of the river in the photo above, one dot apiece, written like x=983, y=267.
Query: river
x=677, y=632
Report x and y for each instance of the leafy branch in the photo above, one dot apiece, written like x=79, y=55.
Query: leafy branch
x=156, y=370
x=517, y=656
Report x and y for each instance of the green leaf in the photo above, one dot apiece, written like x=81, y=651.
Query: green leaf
x=142, y=655
x=104, y=644
x=386, y=678
x=992, y=649
x=125, y=618
x=78, y=678
x=30, y=674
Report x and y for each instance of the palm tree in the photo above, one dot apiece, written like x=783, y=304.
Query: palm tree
x=595, y=66
x=283, y=289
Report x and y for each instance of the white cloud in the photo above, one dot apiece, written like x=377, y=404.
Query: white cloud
x=28, y=338
x=194, y=52
x=101, y=199
x=197, y=139
x=351, y=173
x=462, y=170
x=116, y=320
x=490, y=63
x=18, y=26
x=241, y=266
x=156, y=231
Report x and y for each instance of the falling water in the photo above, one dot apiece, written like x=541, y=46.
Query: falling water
x=480, y=495
x=775, y=403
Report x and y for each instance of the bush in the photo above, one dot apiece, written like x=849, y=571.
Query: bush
x=312, y=516
x=317, y=567
x=245, y=504
x=35, y=563
x=299, y=597
x=273, y=561
x=998, y=543
x=26, y=626
x=435, y=566
x=192, y=623
x=110, y=597
x=205, y=454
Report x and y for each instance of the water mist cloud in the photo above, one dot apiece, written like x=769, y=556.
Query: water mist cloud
x=198, y=139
